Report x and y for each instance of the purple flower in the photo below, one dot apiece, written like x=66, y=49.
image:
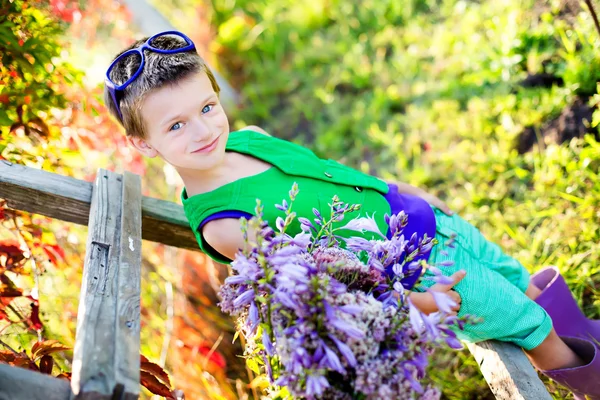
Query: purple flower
x=236, y=280
x=340, y=324
x=331, y=360
x=363, y=224
x=357, y=243
x=344, y=350
x=347, y=328
x=375, y=263
x=269, y=369
x=415, y=317
x=266, y=340
x=315, y=385
x=285, y=299
x=283, y=206
x=352, y=309
x=302, y=240
x=279, y=224
x=398, y=287
x=295, y=272
x=244, y=298
x=443, y=301
x=253, y=317
x=324, y=309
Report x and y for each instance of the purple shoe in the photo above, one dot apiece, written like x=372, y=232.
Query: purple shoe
x=584, y=380
x=559, y=303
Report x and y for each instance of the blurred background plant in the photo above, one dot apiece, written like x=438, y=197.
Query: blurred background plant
x=491, y=105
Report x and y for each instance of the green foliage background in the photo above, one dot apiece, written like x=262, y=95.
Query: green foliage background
x=429, y=92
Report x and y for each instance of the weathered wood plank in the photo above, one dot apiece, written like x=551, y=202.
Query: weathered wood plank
x=19, y=383
x=68, y=199
x=508, y=371
x=95, y=351
x=127, y=356
x=45, y=193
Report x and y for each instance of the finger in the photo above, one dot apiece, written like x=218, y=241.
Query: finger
x=455, y=296
x=435, y=201
x=456, y=278
x=444, y=207
x=446, y=210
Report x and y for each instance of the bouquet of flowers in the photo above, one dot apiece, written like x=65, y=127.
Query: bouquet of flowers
x=322, y=319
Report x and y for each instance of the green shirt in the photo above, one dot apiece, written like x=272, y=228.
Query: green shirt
x=318, y=181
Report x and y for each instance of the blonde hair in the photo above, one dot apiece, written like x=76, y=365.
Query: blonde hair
x=159, y=71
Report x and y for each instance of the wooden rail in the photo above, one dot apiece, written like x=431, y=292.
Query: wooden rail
x=106, y=355
x=69, y=199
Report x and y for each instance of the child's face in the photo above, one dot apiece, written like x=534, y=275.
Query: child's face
x=185, y=125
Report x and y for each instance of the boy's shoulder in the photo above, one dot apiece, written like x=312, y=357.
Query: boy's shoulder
x=255, y=128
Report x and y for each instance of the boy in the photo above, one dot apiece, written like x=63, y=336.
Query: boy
x=168, y=101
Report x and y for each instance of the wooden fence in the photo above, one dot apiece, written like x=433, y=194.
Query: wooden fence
x=106, y=359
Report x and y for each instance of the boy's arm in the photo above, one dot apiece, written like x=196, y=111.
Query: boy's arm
x=225, y=236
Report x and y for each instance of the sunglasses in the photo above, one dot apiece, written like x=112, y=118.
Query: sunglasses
x=116, y=91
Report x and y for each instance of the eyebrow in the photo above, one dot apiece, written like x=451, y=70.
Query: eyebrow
x=179, y=115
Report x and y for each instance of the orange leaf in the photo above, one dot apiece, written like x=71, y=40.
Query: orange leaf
x=64, y=375
x=150, y=382
x=40, y=349
x=17, y=359
x=154, y=369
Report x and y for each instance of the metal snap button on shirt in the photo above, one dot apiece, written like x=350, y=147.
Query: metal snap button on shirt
x=358, y=189
x=327, y=174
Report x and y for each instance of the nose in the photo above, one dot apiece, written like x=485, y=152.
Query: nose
x=201, y=131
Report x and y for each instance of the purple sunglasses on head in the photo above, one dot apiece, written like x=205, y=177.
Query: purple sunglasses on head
x=116, y=91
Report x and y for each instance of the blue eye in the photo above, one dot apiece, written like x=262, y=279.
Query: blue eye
x=207, y=108
x=176, y=126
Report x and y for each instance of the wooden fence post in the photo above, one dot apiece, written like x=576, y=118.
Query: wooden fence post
x=508, y=372
x=106, y=360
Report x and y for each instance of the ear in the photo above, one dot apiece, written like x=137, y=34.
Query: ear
x=142, y=146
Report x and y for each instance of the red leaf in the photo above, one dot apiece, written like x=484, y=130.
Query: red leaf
x=215, y=357
x=8, y=290
x=150, y=382
x=36, y=322
x=46, y=364
x=13, y=253
x=41, y=349
x=54, y=252
x=154, y=369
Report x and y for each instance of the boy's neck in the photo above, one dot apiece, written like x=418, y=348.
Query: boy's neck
x=202, y=181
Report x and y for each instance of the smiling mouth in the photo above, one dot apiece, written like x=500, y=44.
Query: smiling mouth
x=207, y=146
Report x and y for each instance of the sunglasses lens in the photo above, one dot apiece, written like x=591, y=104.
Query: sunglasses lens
x=168, y=42
x=125, y=68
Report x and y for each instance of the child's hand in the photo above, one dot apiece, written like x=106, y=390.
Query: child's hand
x=428, y=302
x=431, y=199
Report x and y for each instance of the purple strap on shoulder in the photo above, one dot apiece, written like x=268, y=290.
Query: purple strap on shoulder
x=225, y=214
